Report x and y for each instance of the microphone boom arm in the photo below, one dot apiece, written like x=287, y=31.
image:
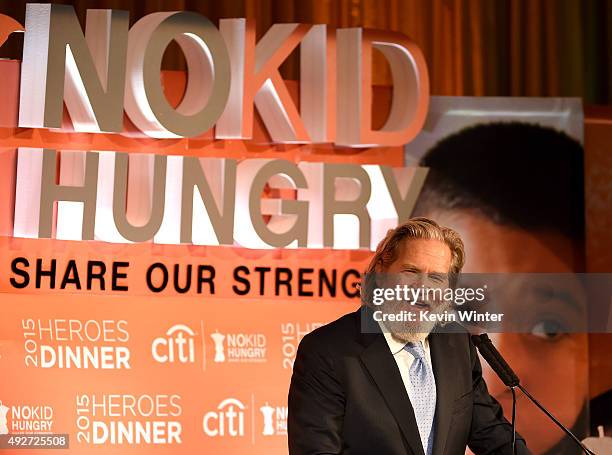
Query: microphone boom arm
x=499, y=365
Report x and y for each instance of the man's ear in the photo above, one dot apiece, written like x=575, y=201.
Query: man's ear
x=376, y=272
x=378, y=275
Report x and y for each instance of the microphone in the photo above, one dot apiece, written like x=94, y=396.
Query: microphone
x=485, y=346
x=499, y=365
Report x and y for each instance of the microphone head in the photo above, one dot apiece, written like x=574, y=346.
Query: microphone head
x=477, y=340
x=487, y=350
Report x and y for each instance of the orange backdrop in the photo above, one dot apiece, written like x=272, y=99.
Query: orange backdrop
x=275, y=322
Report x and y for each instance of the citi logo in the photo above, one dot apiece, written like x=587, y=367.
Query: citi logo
x=227, y=420
x=178, y=346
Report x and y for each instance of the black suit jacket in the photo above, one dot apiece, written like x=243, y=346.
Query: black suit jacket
x=347, y=396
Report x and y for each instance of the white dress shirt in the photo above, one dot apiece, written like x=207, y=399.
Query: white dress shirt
x=404, y=359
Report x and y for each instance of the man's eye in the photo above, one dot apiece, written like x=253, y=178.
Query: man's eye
x=548, y=329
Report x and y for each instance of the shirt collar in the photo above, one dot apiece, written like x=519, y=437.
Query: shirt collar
x=396, y=346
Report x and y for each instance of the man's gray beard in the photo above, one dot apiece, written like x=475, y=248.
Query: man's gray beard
x=412, y=332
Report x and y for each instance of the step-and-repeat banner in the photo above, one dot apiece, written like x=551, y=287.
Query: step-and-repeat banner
x=167, y=242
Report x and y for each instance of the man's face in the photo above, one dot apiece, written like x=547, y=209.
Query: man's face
x=422, y=256
x=420, y=262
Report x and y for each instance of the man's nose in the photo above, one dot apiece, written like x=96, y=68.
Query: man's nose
x=420, y=280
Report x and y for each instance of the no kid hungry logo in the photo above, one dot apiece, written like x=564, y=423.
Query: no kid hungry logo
x=111, y=69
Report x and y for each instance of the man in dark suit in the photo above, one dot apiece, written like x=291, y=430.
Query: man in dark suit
x=397, y=389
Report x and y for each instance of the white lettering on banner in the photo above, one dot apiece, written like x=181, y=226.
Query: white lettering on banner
x=178, y=346
x=249, y=353
x=33, y=425
x=210, y=201
x=239, y=347
x=227, y=420
x=150, y=432
x=116, y=419
x=75, y=343
x=25, y=418
x=98, y=357
x=110, y=68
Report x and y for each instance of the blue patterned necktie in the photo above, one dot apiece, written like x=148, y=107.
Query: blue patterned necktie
x=424, y=396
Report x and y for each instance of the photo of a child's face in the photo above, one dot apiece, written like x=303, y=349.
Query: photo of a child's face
x=551, y=363
x=515, y=194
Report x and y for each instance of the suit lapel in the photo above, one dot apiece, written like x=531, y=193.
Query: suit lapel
x=444, y=371
x=381, y=365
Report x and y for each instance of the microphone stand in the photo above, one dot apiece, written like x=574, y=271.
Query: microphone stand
x=554, y=419
x=488, y=351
